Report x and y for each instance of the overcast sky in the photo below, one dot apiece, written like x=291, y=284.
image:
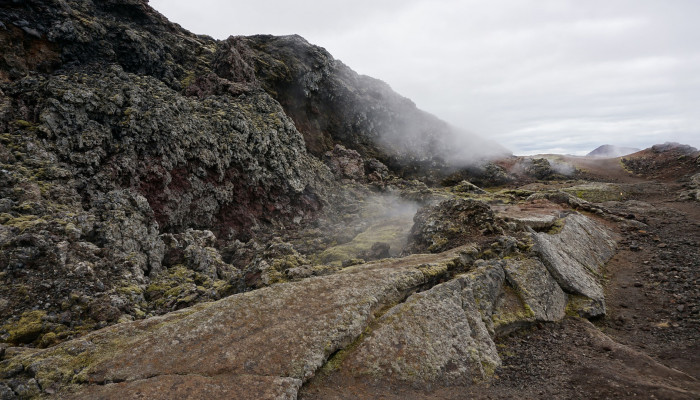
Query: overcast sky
x=538, y=76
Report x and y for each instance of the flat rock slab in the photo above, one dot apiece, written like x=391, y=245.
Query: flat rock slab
x=283, y=331
x=434, y=337
x=575, y=257
x=486, y=283
x=539, y=214
x=537, y=288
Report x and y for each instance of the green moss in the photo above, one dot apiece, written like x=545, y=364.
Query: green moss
x=336, y=360
x=179, y=285
x=5, y=217
x=130, y=290
x=188, y=299
x=27, y=329
x=577, y=305
x=431, y=271
x=623, y=165
x=439, y=243
x=596, y=192
x=488, y=368
x=181, y=272
x=174, y=292
x=488, y=254
x=512, y=310
x=20, y=123
x=24, y=222
x=223, y=288
x=392, y=232
x=286, y=262
x=71, y=363
x=517, y=192
x=49, y=339
x=557, y=227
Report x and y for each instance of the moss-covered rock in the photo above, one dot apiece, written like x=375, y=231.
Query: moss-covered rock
x=451, y=223
x=27, y=329
x=578, y=268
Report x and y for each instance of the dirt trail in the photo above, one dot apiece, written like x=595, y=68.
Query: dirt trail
x=653, y=309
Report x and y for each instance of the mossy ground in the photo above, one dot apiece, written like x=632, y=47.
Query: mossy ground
x=393, y=232
x=178, y=287
x=597, y=192
x=578, y=305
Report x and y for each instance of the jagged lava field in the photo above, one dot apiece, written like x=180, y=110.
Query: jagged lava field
x=190, y=218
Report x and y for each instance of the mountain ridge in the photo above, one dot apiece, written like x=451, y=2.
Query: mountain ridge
x=611, y=151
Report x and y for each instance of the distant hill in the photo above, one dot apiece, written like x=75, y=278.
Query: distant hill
x=610, y=151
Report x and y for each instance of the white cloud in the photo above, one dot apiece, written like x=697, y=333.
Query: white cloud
x=533, y=74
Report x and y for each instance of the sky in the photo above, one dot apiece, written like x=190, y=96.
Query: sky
x=536, y=76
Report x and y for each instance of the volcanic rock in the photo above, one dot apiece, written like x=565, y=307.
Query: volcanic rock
x=285, y=331
x=537, y=287
x=185, y=217
x=450, y=223
x=578, y=268
x=436, y=336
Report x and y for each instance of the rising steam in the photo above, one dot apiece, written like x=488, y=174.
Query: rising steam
x=406, y=132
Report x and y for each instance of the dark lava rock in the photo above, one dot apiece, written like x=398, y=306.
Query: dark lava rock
x=116, y=127
x=675, y=147
x=330, y=103
x=451, y=223
x=345, y=163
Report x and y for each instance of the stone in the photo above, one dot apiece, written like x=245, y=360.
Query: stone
x=6, y=393
x=486, y=286
x=244, y=387
x=575, y=258
x=467, y=187
x=537, y=287
x=434, y=337
x=345, y=163
x=450, y=223
x=286, y=330
x=596, y=192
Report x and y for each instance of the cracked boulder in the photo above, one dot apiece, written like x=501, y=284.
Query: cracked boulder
x=575, y=258
x=435, y=337
x=537, y=287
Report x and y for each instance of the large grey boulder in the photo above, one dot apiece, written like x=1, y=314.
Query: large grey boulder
x=537, y=288
x=575, y=258
x=486, y=284
x=436, y=336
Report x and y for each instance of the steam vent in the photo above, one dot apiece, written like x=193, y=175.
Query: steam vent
x=190, y=218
